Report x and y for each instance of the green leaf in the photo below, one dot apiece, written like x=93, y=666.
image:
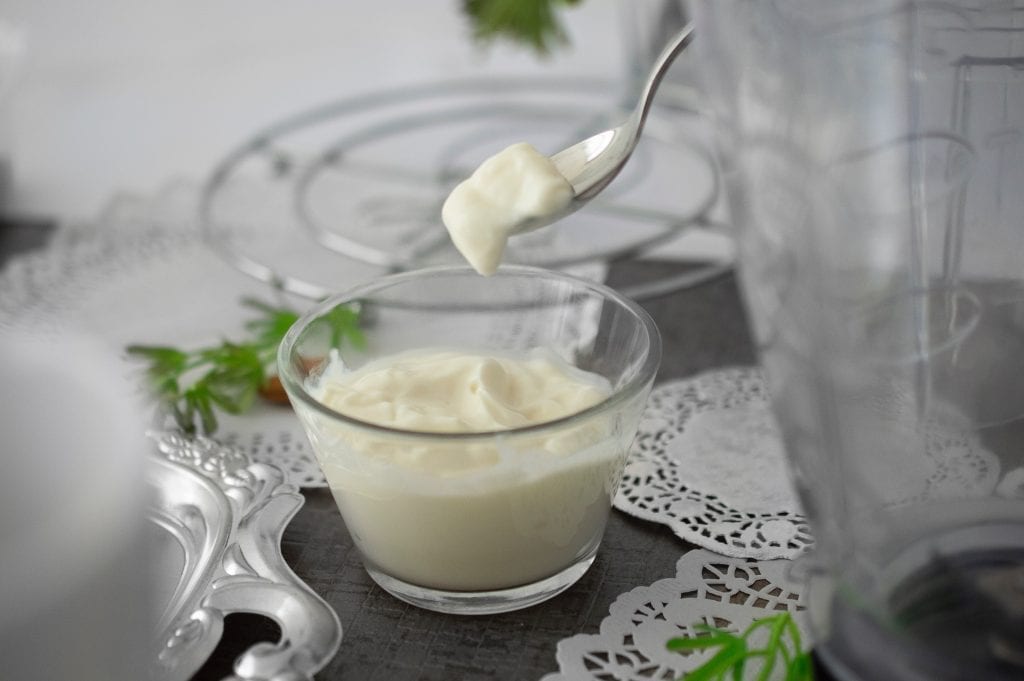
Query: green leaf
x=159, y=355
x=163, y=361
x=343, y=321
x=274, y=323
x=778, y=625
x=801, y=668
x=234, y=381
x=699, y=642
x=198, y=401
x=737, y=669
x=794, y=632
x=182, y=413
x=191, y=385
x=735, y=652
x=529, y=22
x=723, y=660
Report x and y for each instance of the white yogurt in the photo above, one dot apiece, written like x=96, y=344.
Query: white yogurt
x=446, y=391
x=469, y=514
x=517, y=184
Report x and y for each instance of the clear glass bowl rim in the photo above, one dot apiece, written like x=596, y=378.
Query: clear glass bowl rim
x=293, y=384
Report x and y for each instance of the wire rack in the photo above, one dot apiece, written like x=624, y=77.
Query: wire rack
x=354, y=188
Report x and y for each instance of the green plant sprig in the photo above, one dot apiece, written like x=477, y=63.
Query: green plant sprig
x=191, y=385
x=735, y=651
x=531, y=22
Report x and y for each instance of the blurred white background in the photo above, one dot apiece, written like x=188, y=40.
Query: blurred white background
x=120, y=95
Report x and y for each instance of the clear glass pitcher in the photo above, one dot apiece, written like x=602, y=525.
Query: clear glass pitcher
x=874, y=157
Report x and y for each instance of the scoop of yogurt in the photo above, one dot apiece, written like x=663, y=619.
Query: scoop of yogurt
x=516, y=184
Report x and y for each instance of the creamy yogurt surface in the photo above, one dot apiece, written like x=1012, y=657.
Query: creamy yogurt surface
x=478, y=514
x=447, y=391
x=516, y=184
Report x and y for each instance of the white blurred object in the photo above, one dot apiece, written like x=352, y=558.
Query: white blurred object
x=12, y=53
x=72, y=572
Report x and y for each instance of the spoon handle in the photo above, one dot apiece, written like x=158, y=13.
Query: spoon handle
x=661, y=64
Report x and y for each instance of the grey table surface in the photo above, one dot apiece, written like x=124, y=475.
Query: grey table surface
x=702, y=328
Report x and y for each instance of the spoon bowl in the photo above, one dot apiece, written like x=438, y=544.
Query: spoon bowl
x=590, y=165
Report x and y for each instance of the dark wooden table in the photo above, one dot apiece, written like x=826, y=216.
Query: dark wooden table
x=384, y=638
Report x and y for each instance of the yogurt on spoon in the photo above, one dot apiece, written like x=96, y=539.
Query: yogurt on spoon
x=516, y=185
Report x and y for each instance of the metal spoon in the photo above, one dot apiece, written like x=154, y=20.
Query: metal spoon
x=592, y=164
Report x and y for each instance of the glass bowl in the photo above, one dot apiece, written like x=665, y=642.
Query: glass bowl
x=478, y=522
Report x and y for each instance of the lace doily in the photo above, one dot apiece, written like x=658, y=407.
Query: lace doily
x=708, y=462
x=1012, y=484
x=728, y=593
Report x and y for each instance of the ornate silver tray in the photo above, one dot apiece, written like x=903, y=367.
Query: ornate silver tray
x=217, y=520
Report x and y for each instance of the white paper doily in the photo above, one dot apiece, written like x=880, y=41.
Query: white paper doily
x=1012, y=484
x=728, y=593
x=708, y=462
